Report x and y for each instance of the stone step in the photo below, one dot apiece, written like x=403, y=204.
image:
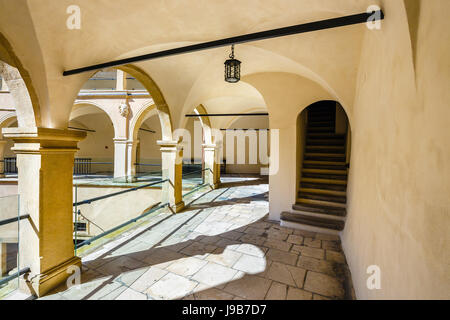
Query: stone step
x=336, y=211
x=324, y=176
x=323, y=142
x=333, y=157
x=319, y=215
x=327, y=163
x=313, y=221
x=322, y=197
x=319, y=154
x=324, y=181
x=324, y=166
x=325, y=149
x=321, y=203
x=321, y=186
x=324, y=192
x=326, y=171
x=326, y=136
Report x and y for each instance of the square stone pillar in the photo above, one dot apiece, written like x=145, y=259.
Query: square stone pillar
x=45, y=160
x=3, y=258
x=212, y=165
x=121, y=81
x=120, y=159
x=2, y=157
x=131, y=160
x=172, y=169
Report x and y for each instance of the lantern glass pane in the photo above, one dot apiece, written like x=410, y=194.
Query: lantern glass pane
x=232, y=70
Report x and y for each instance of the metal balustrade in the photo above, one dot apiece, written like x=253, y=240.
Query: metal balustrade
x=10, y=268
x=10, y=165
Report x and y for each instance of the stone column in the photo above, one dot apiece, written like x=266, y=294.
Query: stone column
x=120, y=159
x=172, y=169
x=217, y=162
x=121, y=81
x=45, y=160
x=131, y=160
x=3, y=258
x=2, y=157
x=212, y=165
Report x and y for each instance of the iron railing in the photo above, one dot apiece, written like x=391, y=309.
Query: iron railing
x=14, y=276
x=88, y=201
x=21, y=271
x=9, y=165
x=133, y=220
x=82, y=166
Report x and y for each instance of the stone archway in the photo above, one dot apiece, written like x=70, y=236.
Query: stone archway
x=323, y=155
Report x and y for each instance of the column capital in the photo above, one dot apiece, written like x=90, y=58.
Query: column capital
x=167, y=145
x=39, y=140
x=124, y=141
x=209, y=145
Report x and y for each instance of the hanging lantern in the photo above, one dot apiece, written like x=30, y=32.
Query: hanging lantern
x=232, y=68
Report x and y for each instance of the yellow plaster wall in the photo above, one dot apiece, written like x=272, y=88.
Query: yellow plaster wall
x=399, y=185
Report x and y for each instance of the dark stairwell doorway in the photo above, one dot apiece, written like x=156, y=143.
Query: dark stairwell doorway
x=323, y=149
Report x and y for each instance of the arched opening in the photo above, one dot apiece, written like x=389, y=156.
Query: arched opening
x=147, y=134
x=96, y=152
x=8, y=162
x=323, y=159
x=135, y=105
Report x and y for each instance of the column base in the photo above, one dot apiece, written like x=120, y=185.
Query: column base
x=41, y=284
x=176, y=208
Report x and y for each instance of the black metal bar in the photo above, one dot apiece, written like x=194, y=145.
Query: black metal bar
x=147, y=164
x=101, y=163
x=189, y=173
x=227, y=115
x=13, y=276
x=147, y=130
x=263, y=35
x=244, y=129
x=15, y=219
x=81, y=129
x=116, y=193
x=89, y=241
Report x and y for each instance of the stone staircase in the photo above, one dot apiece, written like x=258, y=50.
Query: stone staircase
x=322, y=198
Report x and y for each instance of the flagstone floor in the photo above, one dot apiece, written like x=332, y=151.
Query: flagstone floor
x=220, y=247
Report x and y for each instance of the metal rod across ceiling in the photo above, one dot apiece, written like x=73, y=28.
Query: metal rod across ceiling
x=193, y=115
x=263, y=35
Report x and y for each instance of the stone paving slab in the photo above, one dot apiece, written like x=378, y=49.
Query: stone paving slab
x=221, y=247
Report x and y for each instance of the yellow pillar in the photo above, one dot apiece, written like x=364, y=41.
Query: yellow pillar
x=172, y=170
x=2, y=153
x=3, y=258
x=212, y=165
x=45, y=162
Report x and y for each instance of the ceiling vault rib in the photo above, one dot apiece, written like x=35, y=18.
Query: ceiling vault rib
x=263, y=35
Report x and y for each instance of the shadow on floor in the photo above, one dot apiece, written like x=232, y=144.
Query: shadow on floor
x=112, y=264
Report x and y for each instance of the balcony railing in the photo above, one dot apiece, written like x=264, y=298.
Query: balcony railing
x=10, y=267
x=10, y=165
